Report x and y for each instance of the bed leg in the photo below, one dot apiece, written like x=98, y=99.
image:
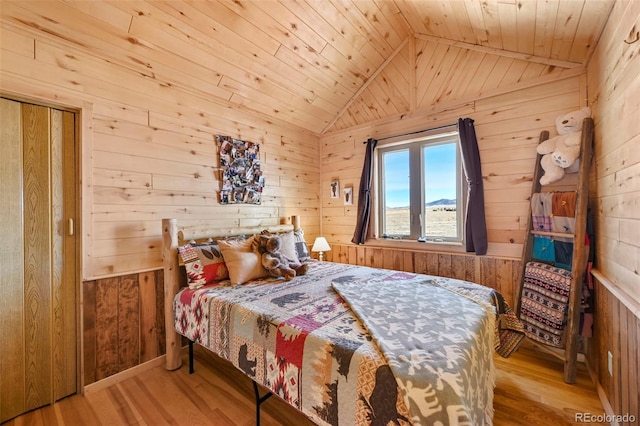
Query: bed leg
x=259, y=400
x=191, y=368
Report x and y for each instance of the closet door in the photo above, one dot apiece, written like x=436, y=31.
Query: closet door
x=38, y=309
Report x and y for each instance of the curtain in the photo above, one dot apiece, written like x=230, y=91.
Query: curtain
x=364, y=195
x=475, y=224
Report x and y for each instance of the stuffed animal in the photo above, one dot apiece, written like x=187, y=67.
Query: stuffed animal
x=275, y=262
x=560, y=153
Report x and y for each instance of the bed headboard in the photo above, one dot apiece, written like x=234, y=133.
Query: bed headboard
x=173, y=236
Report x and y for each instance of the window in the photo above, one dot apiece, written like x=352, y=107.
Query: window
x=420, y=188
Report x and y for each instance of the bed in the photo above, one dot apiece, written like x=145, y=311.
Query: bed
x=347, y=344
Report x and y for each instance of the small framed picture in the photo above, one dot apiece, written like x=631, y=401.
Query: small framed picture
x=335, y=189
x=348, y=196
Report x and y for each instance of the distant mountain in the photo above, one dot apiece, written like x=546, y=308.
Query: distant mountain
x=437, y=203
x=441, y=202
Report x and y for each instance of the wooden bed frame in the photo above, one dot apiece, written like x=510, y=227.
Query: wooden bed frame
x=173, y=236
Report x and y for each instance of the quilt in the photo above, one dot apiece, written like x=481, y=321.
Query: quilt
x=554, y=211
x=302, y=340
x=545, y=303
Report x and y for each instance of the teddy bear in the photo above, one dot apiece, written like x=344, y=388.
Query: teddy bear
x=276, y=263
x=560, y=153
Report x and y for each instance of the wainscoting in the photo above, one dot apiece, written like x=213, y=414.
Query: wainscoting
x=501, y=274
x=124, y=316
x=123, y=320
x=617, y=330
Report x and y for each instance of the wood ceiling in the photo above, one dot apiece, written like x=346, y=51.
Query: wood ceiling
x=319, y=64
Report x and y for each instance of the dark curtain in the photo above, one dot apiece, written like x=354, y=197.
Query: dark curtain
x=364, y=195
x=475, y=224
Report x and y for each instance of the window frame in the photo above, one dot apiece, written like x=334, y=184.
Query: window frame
x=415, y=144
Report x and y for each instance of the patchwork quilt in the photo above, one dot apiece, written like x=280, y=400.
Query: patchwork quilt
x=354, y=345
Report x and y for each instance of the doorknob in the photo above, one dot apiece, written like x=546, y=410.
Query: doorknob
x=70, y=227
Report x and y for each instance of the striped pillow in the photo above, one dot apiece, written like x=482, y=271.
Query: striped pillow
x=301, y=245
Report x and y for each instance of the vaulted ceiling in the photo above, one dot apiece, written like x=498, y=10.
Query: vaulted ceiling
x=324, y=65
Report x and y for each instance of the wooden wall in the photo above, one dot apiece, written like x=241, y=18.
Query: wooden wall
x=123, y=321
x=507, y=126
x=148, y=134
x=148, y=153
x=500, y=274
x=614, y=94
x=617, y=330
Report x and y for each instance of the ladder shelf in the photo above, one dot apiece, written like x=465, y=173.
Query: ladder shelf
x=580, y=250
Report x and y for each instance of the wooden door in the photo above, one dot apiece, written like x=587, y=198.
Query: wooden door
x=38, y=276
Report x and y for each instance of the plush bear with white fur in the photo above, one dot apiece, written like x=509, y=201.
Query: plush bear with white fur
x=560, y=153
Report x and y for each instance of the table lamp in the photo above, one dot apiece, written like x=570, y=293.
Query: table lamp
x=320, y=245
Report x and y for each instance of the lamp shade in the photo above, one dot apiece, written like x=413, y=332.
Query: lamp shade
x=320, y=244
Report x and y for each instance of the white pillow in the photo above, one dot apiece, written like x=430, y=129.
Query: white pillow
x=243, y=263
x=288, y=245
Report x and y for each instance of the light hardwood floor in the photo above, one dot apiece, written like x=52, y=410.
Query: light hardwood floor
x=529, y=391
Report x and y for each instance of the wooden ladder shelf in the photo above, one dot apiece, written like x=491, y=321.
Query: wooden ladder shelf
x=579, y=257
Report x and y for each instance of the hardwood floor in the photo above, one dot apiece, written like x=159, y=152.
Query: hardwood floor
x=529, y=391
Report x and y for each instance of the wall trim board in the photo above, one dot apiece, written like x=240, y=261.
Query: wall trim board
x=120, y=274
x=602, y=395
x=117, y=378
x=632, y=305
x=500, y=52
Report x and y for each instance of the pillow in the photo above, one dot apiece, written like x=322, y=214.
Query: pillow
x=288, y=247
x=301, y=245
x=243, y=263
x=204, y=263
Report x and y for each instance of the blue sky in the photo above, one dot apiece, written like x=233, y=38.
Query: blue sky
x=440, y=175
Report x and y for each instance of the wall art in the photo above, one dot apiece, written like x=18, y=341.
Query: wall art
x=242, y=179
x=335, y=189
x=348, y=196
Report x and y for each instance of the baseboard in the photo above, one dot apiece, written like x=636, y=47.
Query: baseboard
x=606, y=405
x=116, y=378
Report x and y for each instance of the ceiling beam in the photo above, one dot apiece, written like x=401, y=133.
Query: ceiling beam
x=501, y=52
x=365, y=85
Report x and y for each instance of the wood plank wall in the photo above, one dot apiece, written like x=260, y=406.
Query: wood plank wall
x=148, y=141
x=617, y=330
x=507, y=126
x=498, y=273
x=614, y=93
x=123, y=321
x=123, y=316
x=138, y=118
